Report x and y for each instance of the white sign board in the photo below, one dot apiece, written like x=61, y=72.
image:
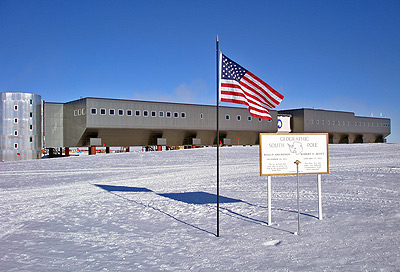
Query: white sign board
x=278, y=152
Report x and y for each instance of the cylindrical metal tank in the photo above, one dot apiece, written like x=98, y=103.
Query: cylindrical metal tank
x=20, y=126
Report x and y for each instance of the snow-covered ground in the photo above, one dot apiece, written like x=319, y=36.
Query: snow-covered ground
x=156, y=211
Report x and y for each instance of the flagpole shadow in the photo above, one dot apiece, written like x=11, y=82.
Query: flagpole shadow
x=112, y=189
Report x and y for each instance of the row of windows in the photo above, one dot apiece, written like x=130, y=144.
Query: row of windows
x=343, y=123
x=144, y=113
x=239, y=118
x=16, y=106
x=79, y=112
x=16, y=119
x=16, y=122
x=30, y=140
x=16, y=133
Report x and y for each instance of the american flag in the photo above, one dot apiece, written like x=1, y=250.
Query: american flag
x=238, y=85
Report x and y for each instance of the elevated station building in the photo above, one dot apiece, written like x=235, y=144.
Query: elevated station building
x=342, y=127
x=140, y=123
x=28, y=125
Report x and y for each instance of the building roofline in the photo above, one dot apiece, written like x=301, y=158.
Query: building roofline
x=350, y=112
x=317, y=110
x=157, y=102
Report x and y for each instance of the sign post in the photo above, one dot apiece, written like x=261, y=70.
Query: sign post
x=319, y=198
x=278, y=151
x=269, y=201
x=297, y=162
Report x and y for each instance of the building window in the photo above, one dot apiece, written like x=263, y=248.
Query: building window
x=16, y=107
x=176, y=114
x=137, y=113
x=83, y=111
x=183, y=114
x=31, y=127
x=168, y=114
x=161, y=114
x=311, y=122
x=102, y=111
x=112, y=112
x=129, y=112
x=79, y=112
x=153, y=114
x=31, y=101
x=239, y=117
x=16, y=146
x=201, y=115
x=227, y=117
x=93, y=111
x=317, y=122
x=145, y=113
x=31, y=139
x=120, y=112
x=249, y=118
x=16, y=120
x=323, y=122
x=15, y=132
x=344, y=123
x=259, y=119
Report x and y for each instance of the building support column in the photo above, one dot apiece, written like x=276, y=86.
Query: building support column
x=66, y=151
x=92, y=150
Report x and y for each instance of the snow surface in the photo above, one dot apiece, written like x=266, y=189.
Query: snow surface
x=156, y=211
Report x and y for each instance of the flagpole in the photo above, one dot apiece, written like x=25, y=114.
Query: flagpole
x=217, y=137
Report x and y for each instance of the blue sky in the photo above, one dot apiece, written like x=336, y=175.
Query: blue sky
x=336, y=55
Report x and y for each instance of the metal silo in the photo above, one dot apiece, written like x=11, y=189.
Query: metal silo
x=20, y=126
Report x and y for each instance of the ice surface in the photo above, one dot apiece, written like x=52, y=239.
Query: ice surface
x=156, y=211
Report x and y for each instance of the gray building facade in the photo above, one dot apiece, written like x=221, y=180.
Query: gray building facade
x=28, y=125
x=342, y=127
x=140, y=123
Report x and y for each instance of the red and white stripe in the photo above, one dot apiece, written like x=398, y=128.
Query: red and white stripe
x=253, y=92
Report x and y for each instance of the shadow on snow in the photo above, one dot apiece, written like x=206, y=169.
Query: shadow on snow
x=113, y=188
x=200, y=198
